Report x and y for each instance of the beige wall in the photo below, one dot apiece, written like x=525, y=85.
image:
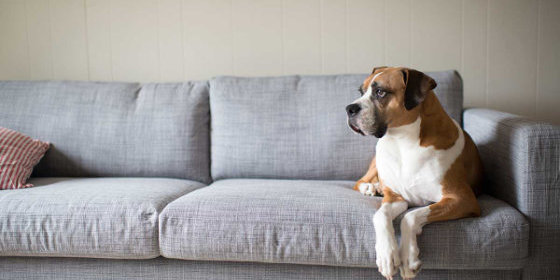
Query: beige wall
x=508, y=51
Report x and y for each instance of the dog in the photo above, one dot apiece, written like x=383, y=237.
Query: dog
x=423, y=158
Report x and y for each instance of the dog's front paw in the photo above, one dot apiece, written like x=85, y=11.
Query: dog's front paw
x=388, y=260
x=411, y=265
x=368, y=188
x=365, y=188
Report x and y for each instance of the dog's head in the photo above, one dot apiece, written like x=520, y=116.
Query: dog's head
x=389, y=98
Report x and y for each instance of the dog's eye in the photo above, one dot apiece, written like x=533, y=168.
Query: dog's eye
x=380, y=92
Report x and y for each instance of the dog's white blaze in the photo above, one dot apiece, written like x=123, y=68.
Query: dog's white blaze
x=386, y=247
x=413, y=171
x=368, y=93
x=411, y=225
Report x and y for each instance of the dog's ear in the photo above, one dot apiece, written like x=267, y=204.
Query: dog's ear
x=417, y=85
x=377, y=68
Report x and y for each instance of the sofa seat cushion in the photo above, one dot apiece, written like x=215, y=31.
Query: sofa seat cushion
x=86, y=217
x=325, y=223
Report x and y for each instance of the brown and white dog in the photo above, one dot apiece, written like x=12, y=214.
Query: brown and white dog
x=423, y=158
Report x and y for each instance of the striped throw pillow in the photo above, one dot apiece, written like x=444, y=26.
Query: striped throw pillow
x=18, y=155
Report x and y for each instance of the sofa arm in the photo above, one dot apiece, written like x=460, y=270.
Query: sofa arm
x=521, y=159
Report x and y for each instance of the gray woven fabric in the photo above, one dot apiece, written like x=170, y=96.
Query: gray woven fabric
x=98, y=217
x=325, y=223
x=522, y=160
x=169, y=269
x=294, y=127
x=113, y=129
x=449, y=91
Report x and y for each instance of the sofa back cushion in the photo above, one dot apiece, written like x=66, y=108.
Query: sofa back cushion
x=294, y=127
x=113, y=129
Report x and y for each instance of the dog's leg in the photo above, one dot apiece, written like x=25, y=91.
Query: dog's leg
x=411, y=225
x=369, y=183
x=386, y=247
x=449, y=208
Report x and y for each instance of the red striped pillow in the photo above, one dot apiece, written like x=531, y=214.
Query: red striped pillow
x=18, y=155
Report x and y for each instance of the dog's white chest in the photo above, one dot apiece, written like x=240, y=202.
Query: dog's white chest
x=413, y=171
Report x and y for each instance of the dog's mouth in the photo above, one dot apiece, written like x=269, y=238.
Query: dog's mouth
x=356, y=129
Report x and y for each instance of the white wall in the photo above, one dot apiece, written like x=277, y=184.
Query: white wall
x=508, y=51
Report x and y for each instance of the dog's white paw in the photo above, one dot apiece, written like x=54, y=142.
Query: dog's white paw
x=411, y=226
x=368, y=188
x=388, y=261
x=365, y=188
x=411, y=265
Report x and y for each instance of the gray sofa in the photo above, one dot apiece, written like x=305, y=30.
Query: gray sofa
x=250, y=178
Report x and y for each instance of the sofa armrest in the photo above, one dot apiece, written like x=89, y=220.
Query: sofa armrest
x=521, y=159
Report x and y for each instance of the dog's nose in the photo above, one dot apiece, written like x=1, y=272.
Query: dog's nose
x=353, y=109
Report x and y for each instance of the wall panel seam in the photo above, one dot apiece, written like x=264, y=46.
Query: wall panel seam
x=233, y=67
x=158, y=37
x=182, y=22
x=283, y=33
x=462, y=62
x=411, y=18
x=487, y=51
x=111, y=39
x=321, y=39
x=538, y=58
x=385, y=37
x=346, y=29
x=86, y=35
x=53, y=72
x=27, y=35
x=158, y=25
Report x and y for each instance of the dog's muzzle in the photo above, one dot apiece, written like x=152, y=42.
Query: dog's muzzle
x=352, y=111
